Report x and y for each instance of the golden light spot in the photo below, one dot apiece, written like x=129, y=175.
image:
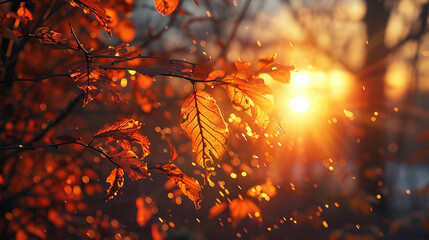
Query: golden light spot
x=378, y=196
x=233, y=175
x=243, y=174
x=299, y=104
x=408, y=191
x=396, y=109
x=325, y=224
x=124, y=82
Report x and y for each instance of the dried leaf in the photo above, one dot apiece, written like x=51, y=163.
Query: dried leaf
x=173, y=152
x=116, y=180
x=240, y=208
x=90, y=79
x=97, y=8
x=189, y=186
x=277, y=71
x=24, y=13
x=166, y=7
x=132, y=165
x=204, y=124
x=54, y=39
x=125, y=129
x=253, y=96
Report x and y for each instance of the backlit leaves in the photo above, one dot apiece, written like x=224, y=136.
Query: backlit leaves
x=277, y=71
x=97, y=8
x=89, y=77
x=125, y=129
x=54, y=39
x=166, y=7
x=189, y=186
x=173, y=152
x=253, y=96
x=204, y=124
x=116, y=181
x=131, y=163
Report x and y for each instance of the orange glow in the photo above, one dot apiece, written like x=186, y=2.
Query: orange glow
x=299, y=104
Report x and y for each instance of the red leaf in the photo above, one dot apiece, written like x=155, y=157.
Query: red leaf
x=277, y=71
x=116, y=180
x=166, y=7
x=189, y=186
x=132, y=165
x=97, y=8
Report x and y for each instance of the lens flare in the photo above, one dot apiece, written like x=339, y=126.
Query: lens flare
x=299, y=104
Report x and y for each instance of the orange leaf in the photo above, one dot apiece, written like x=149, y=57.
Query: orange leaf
x=166, y=7
x=278, y=72
x=204, y=124
x=240, y=208
x=216, y=210
x=116, y=180
x=24, y=13
x=189, y=186
x=173, y=152
x=253, y=96
x=125, y=129
x=132, y=165
x=97, y=8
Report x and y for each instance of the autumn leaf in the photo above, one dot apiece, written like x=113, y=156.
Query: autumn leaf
x=116, y=181
x=240, y=208
x=173, y=152
x=89, y=78
x=277, y=71
x=189, y=186
x=125, y=129
x=204, y=124
x=166, y=7
x=97, y=8
x=24, y=13
x=54, y=39
x=132, y=165
x=253, y=96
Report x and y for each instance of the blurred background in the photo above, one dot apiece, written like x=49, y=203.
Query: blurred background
x=352, y=164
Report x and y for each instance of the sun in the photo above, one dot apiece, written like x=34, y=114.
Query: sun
x=299, y=104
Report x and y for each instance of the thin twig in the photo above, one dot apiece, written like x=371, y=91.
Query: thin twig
x=21, y=147
x=124, y=59
x=79, y=44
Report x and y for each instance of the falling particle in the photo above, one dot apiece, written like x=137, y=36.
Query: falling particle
x=331, y=168
x=198, y=220
x=269, y=229
x=408, y=191
x=233, y=175
x=235, y=3
x=336, y=204
x=357, y=226
x=208, y=14
x=243, y=174
x=325, y=224
x=290, y=44
x=396, y=109
x=326, y=206
x=375, y=113
x=259, y=43
x=363, y=87
x=378, y=196
x=160, y=219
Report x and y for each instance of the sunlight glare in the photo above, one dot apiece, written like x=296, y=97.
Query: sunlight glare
x=299, y=104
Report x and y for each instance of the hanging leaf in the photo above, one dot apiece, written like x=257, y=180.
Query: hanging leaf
x=54, y=39
x=189, y=186
x=253, y=96
x=132, y=165
x=204, y=124
x=125, y=129
x=166, y=7
x=277, y=71
x=240, y=208
x=173, y=152
x=90, y=79
x=97, y=8
x=116, y=180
